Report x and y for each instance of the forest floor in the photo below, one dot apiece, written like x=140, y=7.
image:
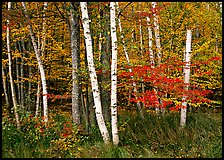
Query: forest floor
x=155, y=136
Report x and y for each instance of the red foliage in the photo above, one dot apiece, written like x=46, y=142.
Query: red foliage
x=145, y=14
x=157, y=78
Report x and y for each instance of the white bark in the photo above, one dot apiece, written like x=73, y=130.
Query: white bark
x=4, y=87
x=141, y=40
x=10, y=71
x=44, y=30
x=40, y=65
x=127, y=58
x=151, y=56
x=94, y=83
x=156, y=29
x=113, y=74
x=157, y=37
x=220, y=5
x=186, y=78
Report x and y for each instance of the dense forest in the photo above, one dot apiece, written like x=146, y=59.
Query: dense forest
x=111, y=79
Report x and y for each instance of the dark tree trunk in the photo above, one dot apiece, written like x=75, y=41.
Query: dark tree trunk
x=75, y=47
x=104, y=78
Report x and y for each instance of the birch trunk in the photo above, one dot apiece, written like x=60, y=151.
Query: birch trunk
x=156, y=29
x=151, y=56
x=94, y=83
x=113, y=74
x=75, y=48
x=157, y=37
x=141, y=40
x=4, y=87
x=10, y=71
x=186, y=79
x=220, y=5
x=127, y=58
x=41, y=48
x=29, y=84
x=43, y=39
x=41, y=68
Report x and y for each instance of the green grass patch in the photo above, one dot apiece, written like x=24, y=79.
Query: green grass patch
x=152, y=137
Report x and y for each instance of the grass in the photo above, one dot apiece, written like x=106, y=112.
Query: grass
x=151, y=137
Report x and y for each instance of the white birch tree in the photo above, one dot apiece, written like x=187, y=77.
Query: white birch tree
x=157, y=39
x=4, y=87
x=40, y=65
x=43, y=39
x=41, y=47
x=10, y=71
x=156, y=31
x=38, y=99
x=92, y=73
x=114, y=74
x=151, y=56
x=186, y=79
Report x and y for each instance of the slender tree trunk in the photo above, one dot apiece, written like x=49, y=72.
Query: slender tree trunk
x=92, y=73
x=41, y=68
x=4, y=87
x=43, y=39
x=85, y=112
x=186, y=79
x=114, y=74
x=92, y=117
x=141, y=37
x=127, y=58
x=89, y=99
x=17, y=77
x=75, y=48
x=10, y=71
x=29, y=84
x=220, y=5
x=105, y=61
x=151, y=55
x=157, y=37
x=22, y=75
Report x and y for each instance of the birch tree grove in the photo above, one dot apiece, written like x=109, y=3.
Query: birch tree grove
x=186, y=79
x=111, y=79
x=40, y=65
x=114, y=74
x=10, y=71
x=92, y=73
